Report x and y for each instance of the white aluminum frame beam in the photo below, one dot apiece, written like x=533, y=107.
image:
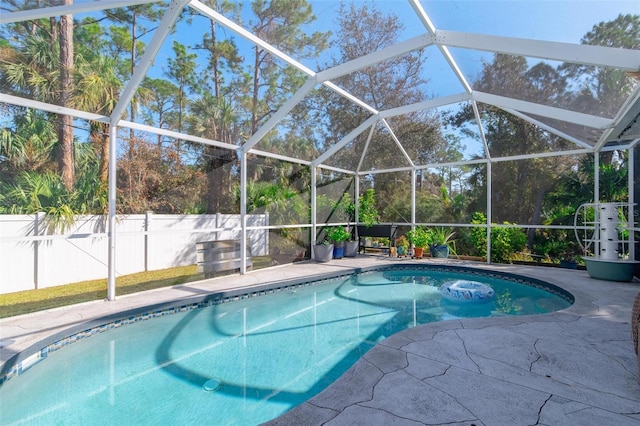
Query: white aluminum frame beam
x=631, y=219
x=280, y=114
x=350, y=97
x=314, y=221
x=483, y=137
x=543, y=110
x=112, y=182
x=55, y=109
x=243, y=213
x=382, y=171
x=618, y=147
x=633, y=99
x=481, y=161
x=227, y=23
x=374, y=58
x=366, y=148
x=550, y=129
x=398, y=144
x=175, y=135
x=280, y=157
x=73, y=9
x=426, y=21
x=348, y=138
x=489, y=209
x=541, y=155
x=452, y=164
x=429, y=104
x=335, y=169
x=624, y=59
x=413, y=197
x=172, y=13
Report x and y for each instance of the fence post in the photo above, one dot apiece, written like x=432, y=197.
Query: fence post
x=37, y=222
x=218, y=221
x=147, y=226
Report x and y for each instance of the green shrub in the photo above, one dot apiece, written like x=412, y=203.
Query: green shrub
x=505, y=242
x=337, y=234
x=419, y=237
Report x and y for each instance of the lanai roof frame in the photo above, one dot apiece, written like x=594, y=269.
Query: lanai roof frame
x=615, y=133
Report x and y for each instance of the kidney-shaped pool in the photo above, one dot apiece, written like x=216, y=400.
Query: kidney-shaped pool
x=251, y=359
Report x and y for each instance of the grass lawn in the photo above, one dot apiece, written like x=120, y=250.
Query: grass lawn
x=24, y=302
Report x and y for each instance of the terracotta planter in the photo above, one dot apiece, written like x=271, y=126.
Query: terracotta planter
x=418, y=253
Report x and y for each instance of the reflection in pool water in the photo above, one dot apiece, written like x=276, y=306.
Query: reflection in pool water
x=244, y=362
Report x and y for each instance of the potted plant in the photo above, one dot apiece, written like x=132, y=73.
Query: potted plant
x=419, y=238
x=440, y=244
x=402, y=245
x=323, y=250
x=338, y=235
x=367, y=212
x=351, y=246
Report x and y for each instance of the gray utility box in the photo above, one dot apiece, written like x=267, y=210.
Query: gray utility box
x=219, y=257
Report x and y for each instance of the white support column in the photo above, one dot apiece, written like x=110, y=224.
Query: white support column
x=413, y=197
x=111, y=221
x=147, y=227
x=596, y=177
x=38, y=226
x=596, y=200
x=631, y=219
x=356, y=202
x=489, y=211
x=243, y=212
x=312, y=240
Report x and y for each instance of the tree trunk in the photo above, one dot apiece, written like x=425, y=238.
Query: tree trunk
x=66, y=161
x=132, y=109
x=100, y=138
x=219, y=180
x=256, y=88
x=215, y=61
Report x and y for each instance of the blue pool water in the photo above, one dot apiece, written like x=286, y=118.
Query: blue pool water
x=244, y=362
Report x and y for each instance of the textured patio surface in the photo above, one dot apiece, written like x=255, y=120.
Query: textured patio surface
x=574, y=367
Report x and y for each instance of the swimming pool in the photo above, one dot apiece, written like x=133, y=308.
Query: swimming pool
x=248, y=361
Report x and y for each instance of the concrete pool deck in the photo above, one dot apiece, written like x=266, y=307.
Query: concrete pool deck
x=576, y=366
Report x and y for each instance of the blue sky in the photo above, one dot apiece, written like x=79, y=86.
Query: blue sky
x=565, y=21
x=540, y=19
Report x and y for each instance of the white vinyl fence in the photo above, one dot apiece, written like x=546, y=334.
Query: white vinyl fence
x=32, y=257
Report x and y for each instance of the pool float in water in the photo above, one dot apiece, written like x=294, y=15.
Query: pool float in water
x=467, y=291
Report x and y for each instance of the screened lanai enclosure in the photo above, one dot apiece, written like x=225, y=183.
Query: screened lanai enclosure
x=134, y=132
